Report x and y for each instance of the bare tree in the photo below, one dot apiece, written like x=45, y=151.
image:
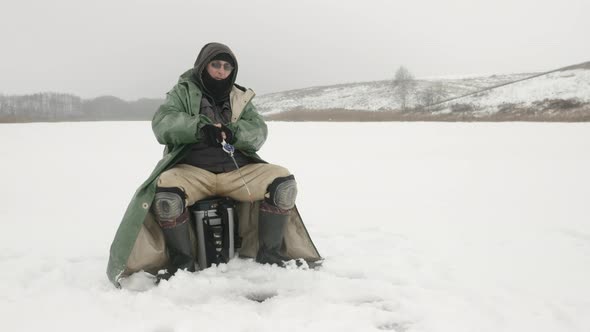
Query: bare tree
x=432, y=94
x=404, y=85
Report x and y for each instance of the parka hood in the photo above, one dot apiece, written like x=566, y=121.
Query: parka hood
x=208, y=52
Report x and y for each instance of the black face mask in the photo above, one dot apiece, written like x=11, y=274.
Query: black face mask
x=217, y=89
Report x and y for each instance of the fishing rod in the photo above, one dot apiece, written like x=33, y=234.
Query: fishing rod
x=230, y=149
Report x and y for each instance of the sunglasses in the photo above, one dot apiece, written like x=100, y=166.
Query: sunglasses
x=226, y=66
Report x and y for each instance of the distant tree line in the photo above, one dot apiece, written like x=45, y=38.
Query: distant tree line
x=48, y=107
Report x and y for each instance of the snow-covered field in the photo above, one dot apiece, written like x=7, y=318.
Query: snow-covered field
x=568, y=85
x=424, y=227
x=371, y=96
x=571, y=84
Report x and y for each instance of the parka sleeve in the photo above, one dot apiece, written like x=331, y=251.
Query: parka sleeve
x=250, y=131
x=173, y=125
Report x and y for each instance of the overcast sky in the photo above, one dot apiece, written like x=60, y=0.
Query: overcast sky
x=134, y=49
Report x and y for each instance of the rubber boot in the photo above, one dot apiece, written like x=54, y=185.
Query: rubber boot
x=179, y=244
x=271, y=228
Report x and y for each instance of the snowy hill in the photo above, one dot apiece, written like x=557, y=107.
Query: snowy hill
x=455, y=227
x=563, y=94
x=370, y=96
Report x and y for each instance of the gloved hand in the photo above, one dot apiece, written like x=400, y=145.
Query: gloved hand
x=229, y=135
x=213, y=134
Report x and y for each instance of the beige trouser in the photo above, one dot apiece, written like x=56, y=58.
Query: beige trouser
x=199, y=184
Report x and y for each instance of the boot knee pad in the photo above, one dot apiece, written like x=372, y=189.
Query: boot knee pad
x=282, y=192
x=168, y=204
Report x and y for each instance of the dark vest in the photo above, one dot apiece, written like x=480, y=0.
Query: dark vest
x=213, y=158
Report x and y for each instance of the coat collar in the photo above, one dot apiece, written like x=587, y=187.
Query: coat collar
x=238, y=101
x=239, y=97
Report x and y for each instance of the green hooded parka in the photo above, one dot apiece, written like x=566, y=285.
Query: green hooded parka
x=139, y=242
